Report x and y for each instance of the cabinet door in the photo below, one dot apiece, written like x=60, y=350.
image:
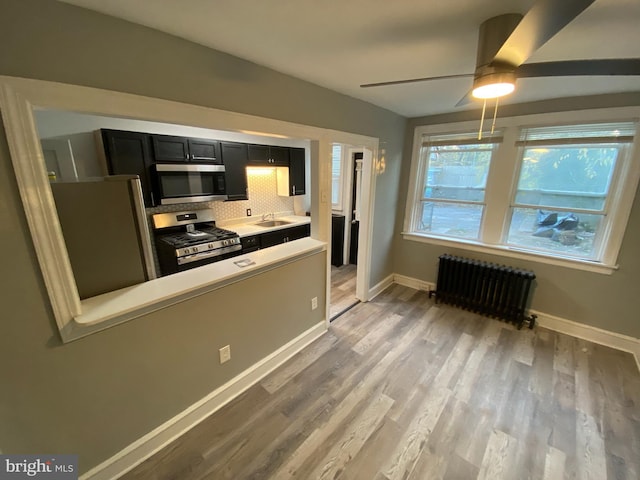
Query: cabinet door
x=259, y=155
x=234, y=156
x=279, y=156
x=128, y=153
x=284, y=235
x=295, y=233
x=202, y=150
x=297, y=172
x=167, y=148
x=250, y=244
x=270, y=239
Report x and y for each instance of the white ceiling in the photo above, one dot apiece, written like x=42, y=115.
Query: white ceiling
x=341, y=44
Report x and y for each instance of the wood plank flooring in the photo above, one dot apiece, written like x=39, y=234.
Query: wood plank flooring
x=400, y=388
x=343, y=289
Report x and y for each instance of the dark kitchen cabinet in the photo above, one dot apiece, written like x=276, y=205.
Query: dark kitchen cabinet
x=172, y=149
x=337, y=240
x=297, y=172
x=268, y=156
x=284, y=235
x=291, y=180
x=129, y=153
x=202, y=150
x=167, y=148
x=235, y=158
x=250, y=244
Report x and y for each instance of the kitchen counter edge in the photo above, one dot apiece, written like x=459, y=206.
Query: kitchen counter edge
x=116, y=307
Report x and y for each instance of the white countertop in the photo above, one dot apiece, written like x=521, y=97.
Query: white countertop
x=247, y=227
x=131, y=302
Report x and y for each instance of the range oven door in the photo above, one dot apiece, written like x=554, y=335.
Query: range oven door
x=176, y=183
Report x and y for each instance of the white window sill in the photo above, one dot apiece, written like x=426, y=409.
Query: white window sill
x=512, y=252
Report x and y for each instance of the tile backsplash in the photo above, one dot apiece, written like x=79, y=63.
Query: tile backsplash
x=262, y=199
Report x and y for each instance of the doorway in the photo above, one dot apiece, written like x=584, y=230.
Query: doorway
x=346, y=206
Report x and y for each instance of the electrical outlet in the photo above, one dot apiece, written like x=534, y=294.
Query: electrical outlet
x=248, y=212
x=225, y=354
x=314, y=303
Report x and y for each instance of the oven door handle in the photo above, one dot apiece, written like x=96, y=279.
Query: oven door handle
x=208, y=254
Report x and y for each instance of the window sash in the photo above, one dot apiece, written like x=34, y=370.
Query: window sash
x=430, y=142
x=337, y=178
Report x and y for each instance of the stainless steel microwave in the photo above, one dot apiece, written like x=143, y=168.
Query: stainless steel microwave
x=186, y=183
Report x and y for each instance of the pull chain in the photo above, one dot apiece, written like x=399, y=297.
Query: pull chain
x=484, y=107
x=495, y=114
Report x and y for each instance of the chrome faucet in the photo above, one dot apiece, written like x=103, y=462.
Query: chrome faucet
x=267, y=215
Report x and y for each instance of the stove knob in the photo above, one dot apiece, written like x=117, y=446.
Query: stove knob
x=225, y=242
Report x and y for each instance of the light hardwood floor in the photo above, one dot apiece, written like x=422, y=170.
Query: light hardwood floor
x=343, y=289
x=400, y=388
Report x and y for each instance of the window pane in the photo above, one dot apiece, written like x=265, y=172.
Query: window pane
x=561, y=232
x=457, y=172
x=570, y=177
x=336, y=174
x=450, y=219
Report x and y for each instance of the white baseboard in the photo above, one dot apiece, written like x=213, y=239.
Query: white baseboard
x=380, y=287
x=592, y=334
x=413, y=283
x=155, y=440
x=557, y=324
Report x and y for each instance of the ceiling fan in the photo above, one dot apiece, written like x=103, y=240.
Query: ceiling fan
x=506, y=42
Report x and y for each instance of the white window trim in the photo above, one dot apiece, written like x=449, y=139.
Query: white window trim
x=622, y=193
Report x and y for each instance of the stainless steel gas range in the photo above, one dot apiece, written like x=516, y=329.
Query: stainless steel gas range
x=190, y=239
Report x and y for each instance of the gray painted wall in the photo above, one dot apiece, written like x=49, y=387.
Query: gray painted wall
x=609, y=302
x=96, y=395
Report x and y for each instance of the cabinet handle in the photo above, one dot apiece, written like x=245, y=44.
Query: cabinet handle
x=187, y=156
x=293, y=190
x=153, y=201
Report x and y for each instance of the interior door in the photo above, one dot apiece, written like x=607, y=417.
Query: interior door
x=356, y=201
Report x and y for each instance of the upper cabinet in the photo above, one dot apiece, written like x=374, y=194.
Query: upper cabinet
x=133, y=153
x=297, y=176
x=268, y=156
x=235, y=160
x=168, y=148
x=128, y=153
x=291, y=180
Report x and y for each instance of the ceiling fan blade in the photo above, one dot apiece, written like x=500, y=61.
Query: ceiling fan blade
x=415, y=80
x=543, y=21
x=614, y=66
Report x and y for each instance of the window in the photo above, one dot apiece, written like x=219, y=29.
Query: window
x=559, y=192
x=453, y=185
x=562, y=198
x=336, y=177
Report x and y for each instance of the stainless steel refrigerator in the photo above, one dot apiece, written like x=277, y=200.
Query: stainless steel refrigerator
x=105, y=229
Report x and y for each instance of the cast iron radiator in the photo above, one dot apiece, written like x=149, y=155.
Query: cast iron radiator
x=486, y=288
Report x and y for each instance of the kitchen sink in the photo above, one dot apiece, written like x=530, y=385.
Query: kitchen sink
x=272, y=223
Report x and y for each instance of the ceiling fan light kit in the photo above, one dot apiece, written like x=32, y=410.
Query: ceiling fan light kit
x=494, y=85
